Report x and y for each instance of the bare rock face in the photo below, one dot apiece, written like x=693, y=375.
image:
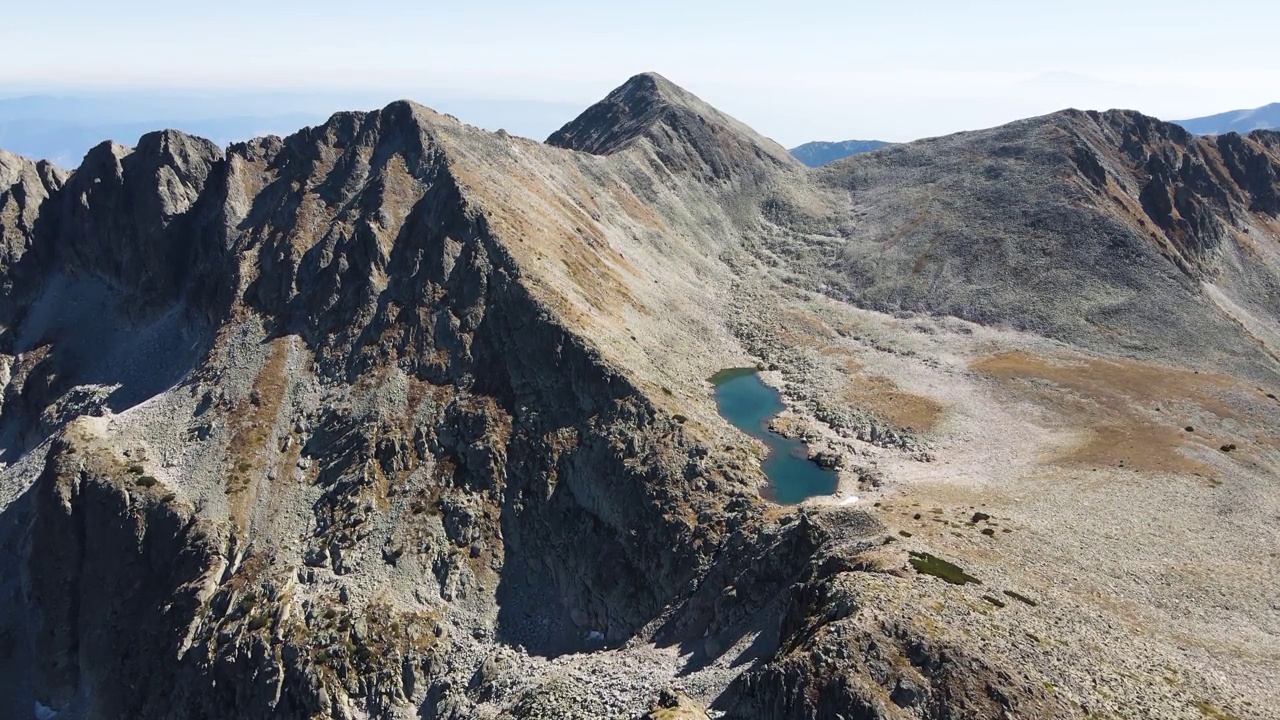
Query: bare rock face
x=394, y=417
x=1250, y=162
x=1187, y=194
x=24, y=186
x=111, y=554
x=844, y=654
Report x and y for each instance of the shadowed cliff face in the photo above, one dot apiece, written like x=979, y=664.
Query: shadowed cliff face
x=317, y=425
x=119, y=216
x=94, y=539
x=24, y=186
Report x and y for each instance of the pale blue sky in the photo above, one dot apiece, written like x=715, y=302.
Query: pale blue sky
x=795, y=70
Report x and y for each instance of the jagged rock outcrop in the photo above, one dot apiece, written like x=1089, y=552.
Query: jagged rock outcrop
x=117, y=216
x=1251, y=164
x=846, y=651
x=24, y=186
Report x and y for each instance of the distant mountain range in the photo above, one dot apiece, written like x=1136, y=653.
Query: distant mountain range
x=818, y=153
x=1266, y=117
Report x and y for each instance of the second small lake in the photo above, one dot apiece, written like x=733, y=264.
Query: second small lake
x=748, y=404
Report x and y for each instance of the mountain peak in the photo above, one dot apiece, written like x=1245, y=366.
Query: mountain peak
x=687, y=133
x=653, y=82
x=624, y=115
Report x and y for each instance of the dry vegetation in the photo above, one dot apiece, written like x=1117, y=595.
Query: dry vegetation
x=1134, y=415
x=254, y=423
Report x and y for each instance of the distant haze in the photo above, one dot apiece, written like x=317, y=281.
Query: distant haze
x=1241, y=121
x=796, y=71
x=62, y=127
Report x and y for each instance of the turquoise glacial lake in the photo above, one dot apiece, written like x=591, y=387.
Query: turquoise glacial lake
x=748, y=404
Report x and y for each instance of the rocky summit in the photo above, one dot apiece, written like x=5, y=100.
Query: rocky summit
x=398, y=418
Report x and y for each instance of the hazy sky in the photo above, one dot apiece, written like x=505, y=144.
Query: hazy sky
x=796, y=70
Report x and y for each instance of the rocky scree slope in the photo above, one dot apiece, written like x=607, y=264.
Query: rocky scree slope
x=315, y=426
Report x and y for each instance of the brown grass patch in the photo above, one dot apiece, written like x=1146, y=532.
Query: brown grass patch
x=1139, y=447
x=1115, y=401
x=850, y=365
x=801, y=328
x=635, y=209
x=902, y=232
x=881, y=396
x=254, y=422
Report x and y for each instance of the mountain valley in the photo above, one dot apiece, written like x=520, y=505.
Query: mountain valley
x=398, y=418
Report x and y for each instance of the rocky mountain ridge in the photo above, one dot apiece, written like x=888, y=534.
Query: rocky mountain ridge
x=1120, y=217
x=394, y=417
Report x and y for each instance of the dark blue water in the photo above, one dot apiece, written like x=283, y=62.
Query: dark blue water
x=748, y=404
